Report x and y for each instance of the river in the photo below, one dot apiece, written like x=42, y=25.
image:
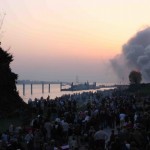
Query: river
x=37, y=91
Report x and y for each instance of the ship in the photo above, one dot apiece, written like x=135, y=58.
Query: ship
x=82, y=86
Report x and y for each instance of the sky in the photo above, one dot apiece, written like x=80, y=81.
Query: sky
x=61, y=40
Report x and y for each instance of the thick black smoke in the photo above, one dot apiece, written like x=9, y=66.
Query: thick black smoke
x=135, y=56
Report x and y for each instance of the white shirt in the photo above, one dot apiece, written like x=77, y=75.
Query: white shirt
x=65, y=126
x=100, y=135
x=122, y=116
x=28, y=137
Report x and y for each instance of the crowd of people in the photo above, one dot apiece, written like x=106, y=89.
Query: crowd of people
x=89, y=121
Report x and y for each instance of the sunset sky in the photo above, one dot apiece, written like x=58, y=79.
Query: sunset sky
x=60, y=39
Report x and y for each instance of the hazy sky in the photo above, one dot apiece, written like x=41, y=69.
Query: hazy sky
x=61, y=39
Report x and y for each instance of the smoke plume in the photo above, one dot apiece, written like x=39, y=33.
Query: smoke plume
x=135, y=56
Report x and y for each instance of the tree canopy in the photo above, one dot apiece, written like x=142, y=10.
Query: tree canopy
x=9, y=97
x=7, y=77
x=135, y=77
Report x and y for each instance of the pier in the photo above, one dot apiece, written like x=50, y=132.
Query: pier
x=42, y=86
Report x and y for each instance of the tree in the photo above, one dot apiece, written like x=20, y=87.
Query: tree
x=135, y=77
x=7, y=77
x=10, y=100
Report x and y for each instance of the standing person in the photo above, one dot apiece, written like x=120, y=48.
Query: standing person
x=48, y=128
x=65, y=128
x=29, y=140
x=11, y=129
x=37, y=141
x=100, y=138
x=91, y=133
x=112, y=138
x=122, y=118
x=73, y=144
